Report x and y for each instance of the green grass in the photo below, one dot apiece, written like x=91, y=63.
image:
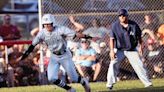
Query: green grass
x=121, y=86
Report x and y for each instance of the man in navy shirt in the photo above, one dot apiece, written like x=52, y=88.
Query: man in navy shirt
x=125, y=36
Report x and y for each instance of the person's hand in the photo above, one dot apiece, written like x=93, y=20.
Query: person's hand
x=79, y=35
x=95, y=39
x=112, y=55
x=140, y=50
x=19, y=59
x=71, y=18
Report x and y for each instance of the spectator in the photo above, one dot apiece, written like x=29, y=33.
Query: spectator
x=2, y=73
x=14, y=55
x=17, y=70
x=98, y=32
x=84, y=58
x=78, y=28
x=10, y=77
x=98, y=28
x=9, y=31
x=2, y=67
x=27, y=73
x=160, y=34
x=150, y=27
x=154, y=59
x=102, y=60
x=150, y=23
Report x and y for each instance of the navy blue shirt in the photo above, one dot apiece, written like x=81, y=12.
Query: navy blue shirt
x=125, y=38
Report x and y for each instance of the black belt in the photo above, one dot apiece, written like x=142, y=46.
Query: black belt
x=61, y=52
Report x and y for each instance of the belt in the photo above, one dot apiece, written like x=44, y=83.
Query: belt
x=61, y=52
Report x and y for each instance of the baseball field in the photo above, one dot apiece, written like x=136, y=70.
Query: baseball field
x=121, y=86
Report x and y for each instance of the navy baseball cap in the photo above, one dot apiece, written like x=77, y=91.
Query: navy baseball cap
x=123, y=12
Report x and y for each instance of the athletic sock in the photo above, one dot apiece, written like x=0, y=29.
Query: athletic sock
x=62, y=84
x=80, y=80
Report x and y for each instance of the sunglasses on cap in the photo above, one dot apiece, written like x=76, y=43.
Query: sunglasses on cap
x=83, y=41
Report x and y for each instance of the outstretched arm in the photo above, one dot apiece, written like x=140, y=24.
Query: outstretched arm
x=76, y=24
x=27, y=52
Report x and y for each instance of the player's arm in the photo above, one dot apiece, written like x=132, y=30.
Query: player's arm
x=35, y=41
x=27, y=52
x=111, y=43
x=140, y=45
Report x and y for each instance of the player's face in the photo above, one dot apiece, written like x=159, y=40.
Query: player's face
x=122, y=18
x=48, y=27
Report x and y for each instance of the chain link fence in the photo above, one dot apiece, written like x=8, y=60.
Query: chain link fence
x=85, y=11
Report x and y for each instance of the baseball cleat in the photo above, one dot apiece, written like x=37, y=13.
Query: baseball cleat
x=149, y=86
x=110, y=88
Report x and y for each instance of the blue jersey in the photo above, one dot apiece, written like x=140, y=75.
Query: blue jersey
x=54, y=40
x=126, y=38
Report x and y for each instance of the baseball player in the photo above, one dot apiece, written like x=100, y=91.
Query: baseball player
x=125, y=36
x=55, y=38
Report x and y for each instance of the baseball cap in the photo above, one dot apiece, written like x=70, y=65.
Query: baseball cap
x=123, y=12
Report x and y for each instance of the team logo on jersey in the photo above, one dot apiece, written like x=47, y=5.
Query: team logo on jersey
x=131, y=33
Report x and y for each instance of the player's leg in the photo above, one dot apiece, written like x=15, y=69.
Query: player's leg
x=113, y=69
x=70, y=69
x=138, y=67
x=53, y=68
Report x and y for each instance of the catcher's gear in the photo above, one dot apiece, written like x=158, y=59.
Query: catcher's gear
x=28, y=51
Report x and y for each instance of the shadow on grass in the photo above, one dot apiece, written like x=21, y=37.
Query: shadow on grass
x=150, y=89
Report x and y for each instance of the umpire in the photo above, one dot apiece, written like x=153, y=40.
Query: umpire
x=125, y=36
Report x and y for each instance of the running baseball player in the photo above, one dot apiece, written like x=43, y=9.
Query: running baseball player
x=55, y=38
